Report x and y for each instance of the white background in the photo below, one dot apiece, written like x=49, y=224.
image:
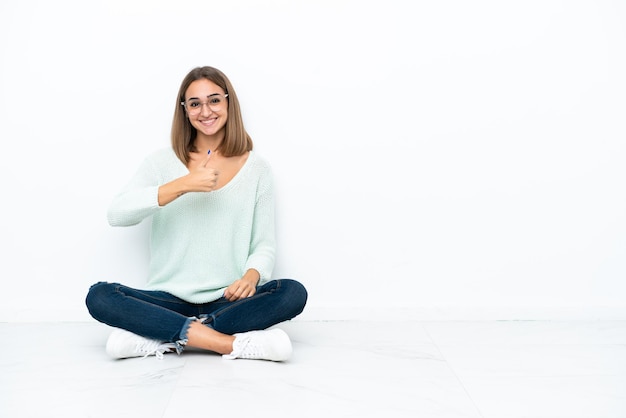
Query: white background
x=436, y=159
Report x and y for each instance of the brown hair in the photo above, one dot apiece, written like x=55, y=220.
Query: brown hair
x=236, y=139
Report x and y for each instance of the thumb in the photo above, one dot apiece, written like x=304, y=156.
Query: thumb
x=206, y=160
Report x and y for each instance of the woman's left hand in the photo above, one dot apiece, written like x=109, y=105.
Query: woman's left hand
x=242, y=288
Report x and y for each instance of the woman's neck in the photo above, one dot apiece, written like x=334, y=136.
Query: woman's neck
x=208, y=143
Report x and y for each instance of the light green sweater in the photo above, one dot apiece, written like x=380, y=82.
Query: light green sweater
x=201, y=242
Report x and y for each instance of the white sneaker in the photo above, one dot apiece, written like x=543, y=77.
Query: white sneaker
x=271, y=345
x=125, y=344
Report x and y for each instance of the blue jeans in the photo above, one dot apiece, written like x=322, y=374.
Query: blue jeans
x=162, y=316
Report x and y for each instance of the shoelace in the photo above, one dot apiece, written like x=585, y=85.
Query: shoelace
x=244, y=350
x=151, y=347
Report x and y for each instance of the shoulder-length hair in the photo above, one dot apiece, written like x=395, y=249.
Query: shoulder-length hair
x=236, y=140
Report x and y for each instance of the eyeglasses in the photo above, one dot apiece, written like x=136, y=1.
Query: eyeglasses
x=215, y=102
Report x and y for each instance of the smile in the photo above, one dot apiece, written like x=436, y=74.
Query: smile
x=208, y=122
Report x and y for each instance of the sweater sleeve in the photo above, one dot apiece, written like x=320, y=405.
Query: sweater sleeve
x=138, y=199
x=263, y=241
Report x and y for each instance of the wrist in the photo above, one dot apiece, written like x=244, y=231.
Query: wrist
x=252, y=276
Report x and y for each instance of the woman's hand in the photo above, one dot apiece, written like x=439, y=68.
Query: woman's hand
x=199, y=179
x=244, y=287
x=202, y=178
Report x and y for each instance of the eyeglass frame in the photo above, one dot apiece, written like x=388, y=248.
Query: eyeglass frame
x=184, y=103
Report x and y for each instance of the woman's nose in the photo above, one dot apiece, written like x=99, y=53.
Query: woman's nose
x=208, y=109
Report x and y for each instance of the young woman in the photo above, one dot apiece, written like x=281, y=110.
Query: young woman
x=210, y=200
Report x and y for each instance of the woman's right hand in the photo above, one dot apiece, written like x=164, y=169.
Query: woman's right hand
x=202, y=178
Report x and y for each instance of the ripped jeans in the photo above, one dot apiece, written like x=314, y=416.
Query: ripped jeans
x=162, y=316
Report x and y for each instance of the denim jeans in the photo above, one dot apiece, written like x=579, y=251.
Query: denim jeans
x=162, y=316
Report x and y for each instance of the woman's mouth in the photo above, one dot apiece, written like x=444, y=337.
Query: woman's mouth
x=208, y=122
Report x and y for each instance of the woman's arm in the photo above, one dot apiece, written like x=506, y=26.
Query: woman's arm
x=144, y=194
x=263, y=240
x=138, y=199
x=260, y=261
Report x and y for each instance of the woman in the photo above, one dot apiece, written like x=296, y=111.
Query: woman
x=210, y=199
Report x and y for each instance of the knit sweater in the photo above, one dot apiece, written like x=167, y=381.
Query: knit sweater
x=203, y=241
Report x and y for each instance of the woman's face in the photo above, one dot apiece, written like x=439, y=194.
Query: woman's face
x=206, y=106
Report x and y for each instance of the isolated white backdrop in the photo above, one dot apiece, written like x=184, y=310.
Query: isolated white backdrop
x=436, y=159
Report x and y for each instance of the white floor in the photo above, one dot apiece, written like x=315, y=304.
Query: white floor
x=339, y=369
